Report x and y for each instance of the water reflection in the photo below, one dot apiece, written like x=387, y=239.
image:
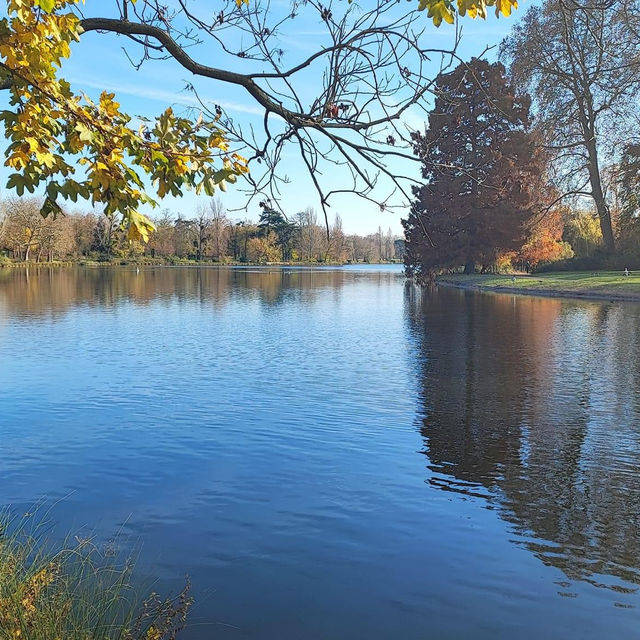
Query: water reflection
x=51, y=290
x=533, y=404
x=256, y=430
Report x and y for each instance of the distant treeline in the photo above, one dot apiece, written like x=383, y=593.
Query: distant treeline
x=209, y=234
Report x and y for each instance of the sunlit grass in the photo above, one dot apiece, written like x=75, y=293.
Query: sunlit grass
x=75, y=592
x=602, y=283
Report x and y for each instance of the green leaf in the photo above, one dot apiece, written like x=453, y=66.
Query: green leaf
x=16, y=181
x=86, y=135
x=50, y=207
x=158, y=156
x=46, y=5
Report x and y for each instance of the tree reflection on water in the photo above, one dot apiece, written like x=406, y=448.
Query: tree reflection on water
x=533, y=404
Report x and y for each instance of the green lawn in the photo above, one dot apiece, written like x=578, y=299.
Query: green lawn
x=583, y=283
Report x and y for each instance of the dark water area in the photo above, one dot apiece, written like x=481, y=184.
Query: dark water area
x=333, y=453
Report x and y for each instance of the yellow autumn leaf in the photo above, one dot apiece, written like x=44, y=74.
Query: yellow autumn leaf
x=504, y=7
x=439, y=11
x=139, y=227
x=54, y=123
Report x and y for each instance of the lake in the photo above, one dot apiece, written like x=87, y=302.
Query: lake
x=333, y=453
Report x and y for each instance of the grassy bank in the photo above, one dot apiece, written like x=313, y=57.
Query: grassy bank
x=75, y=592
x=609, y=285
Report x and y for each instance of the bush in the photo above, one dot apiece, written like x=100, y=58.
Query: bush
x=75, y=593
x=597, y=262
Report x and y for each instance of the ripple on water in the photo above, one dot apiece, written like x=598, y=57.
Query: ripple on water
x=330, y=454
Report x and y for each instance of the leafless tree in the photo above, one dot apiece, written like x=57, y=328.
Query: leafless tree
x=337, y=241
x=309, y=232
x=201, y=229
x=219, y=229
x=23, y=226
x=163, y=241
x=56, y=238
x=580, y=60
x=341, y=106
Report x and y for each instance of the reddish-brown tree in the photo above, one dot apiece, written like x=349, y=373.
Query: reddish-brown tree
x=482, y=169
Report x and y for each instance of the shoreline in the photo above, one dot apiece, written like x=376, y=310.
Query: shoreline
x=58, y=264
x=148, y=263
x=577, y=294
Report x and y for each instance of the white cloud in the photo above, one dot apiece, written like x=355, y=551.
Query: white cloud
x=167, y=97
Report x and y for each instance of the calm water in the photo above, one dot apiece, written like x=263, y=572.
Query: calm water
x=331, y=453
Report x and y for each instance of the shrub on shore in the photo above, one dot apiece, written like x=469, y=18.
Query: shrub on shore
x=76, y=592
x=596, y=262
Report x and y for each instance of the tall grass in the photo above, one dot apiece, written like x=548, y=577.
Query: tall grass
x=75, y=592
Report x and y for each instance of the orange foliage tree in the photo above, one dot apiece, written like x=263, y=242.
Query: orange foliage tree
x=545, y=243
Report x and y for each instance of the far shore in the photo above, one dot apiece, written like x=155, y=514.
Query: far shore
x=603, y=285
x=161, y=262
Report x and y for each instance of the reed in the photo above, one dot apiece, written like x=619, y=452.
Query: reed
x=75, y=591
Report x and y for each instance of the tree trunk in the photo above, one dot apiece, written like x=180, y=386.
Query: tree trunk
x=470, y=267
x=587, y=123
x=604, y=214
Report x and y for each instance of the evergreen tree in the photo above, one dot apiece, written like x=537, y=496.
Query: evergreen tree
x=482, y=172
x=274, y=221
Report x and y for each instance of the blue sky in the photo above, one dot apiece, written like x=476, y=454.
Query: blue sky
x=99, y=63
